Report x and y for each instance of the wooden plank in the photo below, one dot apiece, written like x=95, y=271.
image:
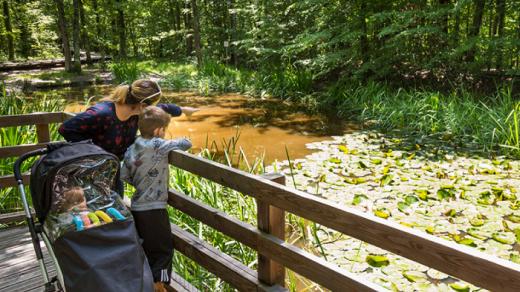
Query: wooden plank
x=271, y=220
x=179, y=284
x=12, y=217
x=42, y=131
x=14, y=151
x=218, y=263
x=460, y=261
x=10, y=181
x=31, y=119
x=310, y=266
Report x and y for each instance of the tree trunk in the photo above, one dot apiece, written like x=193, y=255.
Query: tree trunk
x=62, y=24
x=363, y=40
x=445, y=19
x=196, y=31
x=122, y=29
x=76, y=36
x=501, y=15
x=475, y=27
x=9, y=30
x=187, y=29
x=233, y=20
x=84, y=32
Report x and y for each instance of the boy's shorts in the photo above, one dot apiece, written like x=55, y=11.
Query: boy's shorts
x=153, y=227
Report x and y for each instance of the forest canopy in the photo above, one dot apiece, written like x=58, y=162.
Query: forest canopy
x=332, y=39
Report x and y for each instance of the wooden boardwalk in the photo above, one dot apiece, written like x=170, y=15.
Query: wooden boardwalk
x=19, y=270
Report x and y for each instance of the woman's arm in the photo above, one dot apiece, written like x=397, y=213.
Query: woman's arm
x=176, y=111
x=83, y=126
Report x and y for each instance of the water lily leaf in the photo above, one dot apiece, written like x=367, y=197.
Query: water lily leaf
x=467, y=241
x=414, y=276
x=343, y=149
x=377, y=260
x=404, y=178
x=411, y=156
x=402, y=206
x=475, y=221
x=476, y=233
x=399, y=163
x=386, y=179
x=513, y=218
x=410, y=199
x=430, y=229
x=460, y=287
x=335, y=160
x=503, y=237
x=386, y=170
x=516, y=231
x=450, y=213
x=356, y=180
x=422, y=194
x=514, y=205
x=514, y=258
x=376, y=161
x=362, y=164
x=358, y=198
x=445, y=194
x=382, y=213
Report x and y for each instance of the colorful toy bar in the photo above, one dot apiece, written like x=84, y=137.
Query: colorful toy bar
x=94, y=218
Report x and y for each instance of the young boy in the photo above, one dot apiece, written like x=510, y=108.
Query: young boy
x=146, y=168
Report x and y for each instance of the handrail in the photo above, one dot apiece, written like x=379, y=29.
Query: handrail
x=460, y=261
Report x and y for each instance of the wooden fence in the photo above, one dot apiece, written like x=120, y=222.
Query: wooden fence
x=274, y=254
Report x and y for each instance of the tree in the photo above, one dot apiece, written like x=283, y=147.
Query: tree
x=62, y=26
x=121, y=29
x=84, y=32
x=196, y=32
x=475, y=28
x=76, y=36
x=9, y=30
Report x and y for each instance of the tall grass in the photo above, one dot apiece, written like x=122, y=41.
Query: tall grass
x=14, y=104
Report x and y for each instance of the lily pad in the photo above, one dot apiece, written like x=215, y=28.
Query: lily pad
x=377, y=260
x=358, y=198
x=503, y=237
x=382, y=213
x=414, y=276
x=460, y=287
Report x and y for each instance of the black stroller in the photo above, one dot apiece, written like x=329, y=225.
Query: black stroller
x=88, y=231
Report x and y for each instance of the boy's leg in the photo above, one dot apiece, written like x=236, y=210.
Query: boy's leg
x=154, y=228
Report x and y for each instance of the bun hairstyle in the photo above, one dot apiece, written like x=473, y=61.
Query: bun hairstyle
x=140, y=91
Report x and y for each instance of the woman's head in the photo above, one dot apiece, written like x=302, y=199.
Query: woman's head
x=140, y=92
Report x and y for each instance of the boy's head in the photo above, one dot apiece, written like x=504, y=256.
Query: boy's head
x=153, y=122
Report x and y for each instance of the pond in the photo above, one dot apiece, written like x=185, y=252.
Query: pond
x=261, y=127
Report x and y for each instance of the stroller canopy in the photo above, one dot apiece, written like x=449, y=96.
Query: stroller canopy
x=66, y=165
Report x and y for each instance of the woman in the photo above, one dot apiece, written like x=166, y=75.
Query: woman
x=112, y=123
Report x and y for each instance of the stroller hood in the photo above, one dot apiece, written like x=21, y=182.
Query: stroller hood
x=44, y=169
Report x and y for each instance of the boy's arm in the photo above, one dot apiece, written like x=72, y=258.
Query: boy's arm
x=125, y=170
x=178, y=144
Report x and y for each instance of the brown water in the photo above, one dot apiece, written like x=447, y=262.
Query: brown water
x=264, y=127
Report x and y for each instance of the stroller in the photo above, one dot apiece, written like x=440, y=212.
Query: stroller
x=88, y=231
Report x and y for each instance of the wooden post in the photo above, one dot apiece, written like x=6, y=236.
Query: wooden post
x=42, y=130
x=271, y=220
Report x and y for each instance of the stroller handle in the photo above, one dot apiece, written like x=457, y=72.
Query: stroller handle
x=22, y=158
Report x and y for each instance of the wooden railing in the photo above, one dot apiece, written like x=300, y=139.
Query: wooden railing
x=274, y=254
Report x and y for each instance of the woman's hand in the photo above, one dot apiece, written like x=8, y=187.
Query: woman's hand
x=188, y=111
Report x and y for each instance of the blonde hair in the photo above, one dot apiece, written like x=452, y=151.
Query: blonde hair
x=152, y=118
x=139, y=91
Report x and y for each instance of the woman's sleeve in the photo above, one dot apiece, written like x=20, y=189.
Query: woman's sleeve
x=83, y=126
x=171, y=108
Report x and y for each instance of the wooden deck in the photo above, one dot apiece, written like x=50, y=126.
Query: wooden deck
x=19, y=269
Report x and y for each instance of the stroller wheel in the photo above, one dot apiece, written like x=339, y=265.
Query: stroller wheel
x=53, y=285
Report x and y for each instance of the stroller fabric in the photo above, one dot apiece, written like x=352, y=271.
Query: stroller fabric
x=91, y=231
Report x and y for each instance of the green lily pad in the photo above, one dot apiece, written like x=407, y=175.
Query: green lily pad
x=386, y=179
x=402, y=206
x=343, y=149
x=430, y=229
x=514, y=258
x=358, y=198
x=382, y=213
x=376, y=161
x=335, y=160
x=476, y=233
x=377, y=260
x=445, y=194
x=513, y=218
x=475, y=221
x=362, y=165
x=468, y=242
x=503, y=237
x=460, y=287
x=410, y=199
x=414, y=276
x=422, y=194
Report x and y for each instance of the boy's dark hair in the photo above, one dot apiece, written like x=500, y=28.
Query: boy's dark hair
x=152, y=118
